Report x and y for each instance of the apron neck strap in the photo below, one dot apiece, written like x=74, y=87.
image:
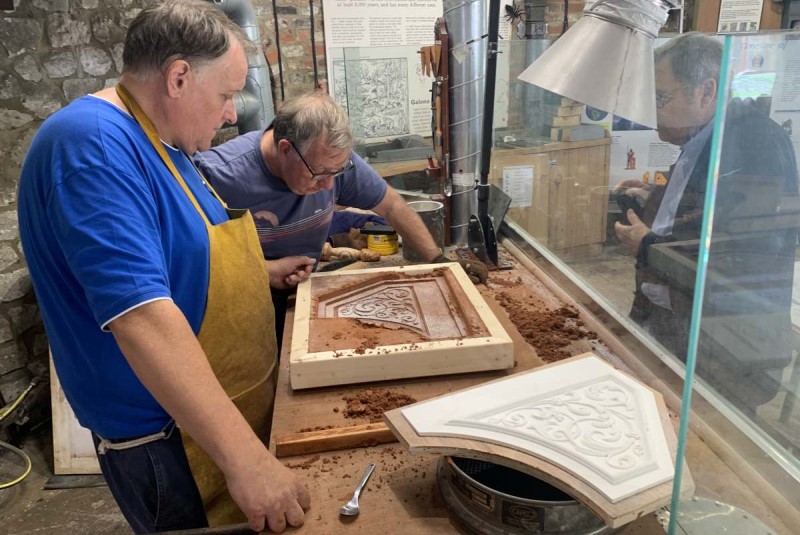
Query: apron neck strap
x=152, y=135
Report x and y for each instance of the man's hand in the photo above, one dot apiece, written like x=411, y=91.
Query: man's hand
x=288, y=272
x=270, y=495
x=476, y=270
x=631, y=235
x=187, y=388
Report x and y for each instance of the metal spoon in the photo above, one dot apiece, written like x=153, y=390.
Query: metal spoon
x=351, y=507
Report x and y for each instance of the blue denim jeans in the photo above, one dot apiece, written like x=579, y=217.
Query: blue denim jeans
x=153, y=484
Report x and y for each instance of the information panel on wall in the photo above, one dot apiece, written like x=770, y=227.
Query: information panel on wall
x=373, y=65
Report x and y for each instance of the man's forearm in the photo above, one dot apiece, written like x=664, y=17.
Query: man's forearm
x=164, y=353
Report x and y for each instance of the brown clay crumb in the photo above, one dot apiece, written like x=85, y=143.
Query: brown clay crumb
x=373, y=402
x=371, y=342
x=316, y=428
x=304, y=465
x=504, y=282
x=549, y=332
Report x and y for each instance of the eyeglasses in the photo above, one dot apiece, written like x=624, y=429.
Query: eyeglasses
x=665, y=97
x=320, y=176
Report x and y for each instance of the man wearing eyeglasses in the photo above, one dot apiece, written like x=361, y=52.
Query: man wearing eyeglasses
x=749, y=286
x=292, y=176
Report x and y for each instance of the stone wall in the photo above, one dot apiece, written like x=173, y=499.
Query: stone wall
x=52, y=51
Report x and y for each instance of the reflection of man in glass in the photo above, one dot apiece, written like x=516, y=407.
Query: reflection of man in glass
x=745, y=336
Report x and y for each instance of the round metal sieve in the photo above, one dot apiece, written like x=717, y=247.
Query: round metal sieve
x=492, y=499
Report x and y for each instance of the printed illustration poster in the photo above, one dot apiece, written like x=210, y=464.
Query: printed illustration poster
x=383, y=91
x=636, y=150
x=374, y=69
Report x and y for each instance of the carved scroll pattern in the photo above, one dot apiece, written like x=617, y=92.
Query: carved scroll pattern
x=597, y=424
x=393, y=304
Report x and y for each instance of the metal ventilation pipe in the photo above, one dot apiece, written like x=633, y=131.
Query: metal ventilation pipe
x=466, y=25
x=254, y=107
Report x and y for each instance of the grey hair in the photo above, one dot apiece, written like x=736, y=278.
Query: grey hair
x=694, y=57
x=191, y=30
x=313, y=116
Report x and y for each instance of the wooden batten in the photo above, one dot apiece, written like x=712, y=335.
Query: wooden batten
x=338, y=438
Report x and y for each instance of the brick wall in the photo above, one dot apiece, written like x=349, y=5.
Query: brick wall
x=294, y=23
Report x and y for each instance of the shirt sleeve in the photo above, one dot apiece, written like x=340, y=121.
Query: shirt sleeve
x=362, y=187
x=107, y=225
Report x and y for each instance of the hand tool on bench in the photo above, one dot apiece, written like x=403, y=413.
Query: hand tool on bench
x=351, y=508
x=336, y=264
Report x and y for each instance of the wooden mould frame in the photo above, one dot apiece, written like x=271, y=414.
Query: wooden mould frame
x=308, y=369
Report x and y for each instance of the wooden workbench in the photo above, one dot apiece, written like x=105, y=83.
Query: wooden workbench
x=401, y=495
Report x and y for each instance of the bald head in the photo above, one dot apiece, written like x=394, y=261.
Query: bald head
x=313, y=116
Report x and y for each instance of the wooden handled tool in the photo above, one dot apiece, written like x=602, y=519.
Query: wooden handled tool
x=339, y=438
x=343, y=253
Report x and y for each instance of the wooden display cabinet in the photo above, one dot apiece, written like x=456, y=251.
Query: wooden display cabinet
x=568, y=205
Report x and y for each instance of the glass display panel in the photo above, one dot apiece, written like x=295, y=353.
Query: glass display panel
x=571, y=196
x=574, y=172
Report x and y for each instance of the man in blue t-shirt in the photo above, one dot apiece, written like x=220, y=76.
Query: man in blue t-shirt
x=292, y=176
x=128, y=250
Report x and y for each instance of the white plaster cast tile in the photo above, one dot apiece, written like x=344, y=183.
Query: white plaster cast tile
x=583, y=416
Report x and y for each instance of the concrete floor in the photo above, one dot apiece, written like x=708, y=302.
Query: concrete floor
x=28, y=509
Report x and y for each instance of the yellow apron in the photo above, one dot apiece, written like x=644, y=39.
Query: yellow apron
x=237, y=333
